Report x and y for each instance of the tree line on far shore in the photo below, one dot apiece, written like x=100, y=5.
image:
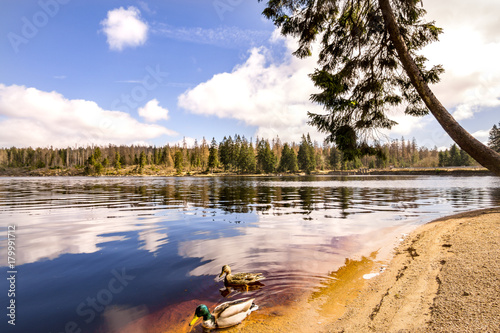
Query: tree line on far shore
x=234, y=154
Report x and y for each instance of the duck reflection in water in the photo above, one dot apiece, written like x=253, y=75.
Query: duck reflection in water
x=230, y=291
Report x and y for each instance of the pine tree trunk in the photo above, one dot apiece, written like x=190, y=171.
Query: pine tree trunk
x=486, y=156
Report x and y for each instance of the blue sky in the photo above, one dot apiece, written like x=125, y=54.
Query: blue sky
x=77, y=72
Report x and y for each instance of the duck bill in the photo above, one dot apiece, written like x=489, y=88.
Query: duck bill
x=194, y=320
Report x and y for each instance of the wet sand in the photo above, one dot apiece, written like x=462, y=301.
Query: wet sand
x=443, y=277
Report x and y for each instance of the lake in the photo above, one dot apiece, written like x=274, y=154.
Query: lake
x=92, y=254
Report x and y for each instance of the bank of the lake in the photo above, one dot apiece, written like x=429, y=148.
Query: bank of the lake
x=157, y=171
x=444, y=277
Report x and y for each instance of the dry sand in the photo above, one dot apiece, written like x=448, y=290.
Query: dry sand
x=444, y=277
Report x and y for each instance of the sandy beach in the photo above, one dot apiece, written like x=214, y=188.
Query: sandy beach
x=443, y=277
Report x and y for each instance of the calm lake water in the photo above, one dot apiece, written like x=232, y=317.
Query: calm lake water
x=94, y=253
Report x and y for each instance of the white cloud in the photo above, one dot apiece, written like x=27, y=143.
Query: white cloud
x=31, y=117
x=482, y=16
x=145, y=7
x=227, y=37
x=125, y=28
x=468, y=50
x=482, y=135
x=406, y=124
x=272, y=97
x=188, y=141
x=153, y=112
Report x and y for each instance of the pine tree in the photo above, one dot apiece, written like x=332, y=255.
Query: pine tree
x=94, y=165
x=494, y=138
x=334, y=158
x=213, y=155
x=288, y=160
x=225, y=153
x=444, y=158
x=454, y=157
x=266, y=160
x=118, y=164
x=204, y=153
x=178, y=161
x=370, y=61
x=465, y=158
x=305, y=156
x=246, y=159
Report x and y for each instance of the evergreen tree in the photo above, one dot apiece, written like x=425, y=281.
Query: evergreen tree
x=178, y=161
x=226, y=153
x=246, y=159
x=454, y=156
x=465, y=158
x=288, y=160
x=334, y=158
x=118, y=164
x=444, y=158
x=266, y=160
x=305, y=156
x=142, y=160
x=123, y=160
x=98, y=168
x=213, y=155
x=94, y=165
x=97, y=154
x=494, y=138
x=414, y=152
x=370, y=61
x=236, y=151
x=196, y=155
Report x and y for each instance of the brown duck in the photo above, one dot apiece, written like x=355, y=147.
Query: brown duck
x=240, y=279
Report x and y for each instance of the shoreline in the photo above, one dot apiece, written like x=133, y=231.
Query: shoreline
x=155, y=172
x=443, y=277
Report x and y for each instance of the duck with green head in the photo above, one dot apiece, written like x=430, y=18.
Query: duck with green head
x=224, y=315
x=240, y=279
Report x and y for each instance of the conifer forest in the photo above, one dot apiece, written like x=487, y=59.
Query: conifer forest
x=234, y=154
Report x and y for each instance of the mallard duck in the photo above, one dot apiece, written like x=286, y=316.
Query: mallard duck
x=224, y=315
x=239, y=279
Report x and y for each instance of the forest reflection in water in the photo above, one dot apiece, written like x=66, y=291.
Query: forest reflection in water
x=174, y=234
